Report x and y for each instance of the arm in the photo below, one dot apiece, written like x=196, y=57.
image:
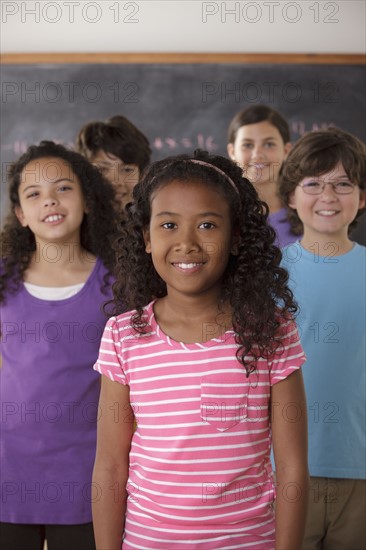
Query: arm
x=289, y=431
x=110, y=475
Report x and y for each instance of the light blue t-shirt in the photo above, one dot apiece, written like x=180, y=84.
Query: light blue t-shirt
x=330, y=291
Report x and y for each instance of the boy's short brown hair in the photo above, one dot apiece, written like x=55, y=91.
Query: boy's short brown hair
x=116, y=136
x=317, y=153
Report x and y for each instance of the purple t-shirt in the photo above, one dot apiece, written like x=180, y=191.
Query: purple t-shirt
x=278, y=220
x=49, y=399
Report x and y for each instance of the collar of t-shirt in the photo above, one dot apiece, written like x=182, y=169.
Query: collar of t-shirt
x=53, y=293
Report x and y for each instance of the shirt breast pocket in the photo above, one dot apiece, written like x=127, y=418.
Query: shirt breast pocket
x=224, y=399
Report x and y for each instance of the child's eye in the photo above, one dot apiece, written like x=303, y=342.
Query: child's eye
x=345, y=185
x=32, y=195
x=102, y=168
x=127, y=169
x=169, y=225
x=269, y=144
x=64, y=188
x=247, y=145
x=207, y=225
x=312, y=184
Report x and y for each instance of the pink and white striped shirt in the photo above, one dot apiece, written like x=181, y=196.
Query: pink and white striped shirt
x=200, y=472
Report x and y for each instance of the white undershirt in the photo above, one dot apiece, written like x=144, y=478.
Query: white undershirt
x=53, y=293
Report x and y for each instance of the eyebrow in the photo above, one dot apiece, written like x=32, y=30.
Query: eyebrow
x=202, y=214
x=341, y=177
x=35, y=185
x=262, y=139
x=109, y=162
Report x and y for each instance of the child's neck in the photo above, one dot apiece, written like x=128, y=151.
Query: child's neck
x=57, y=265
x=191, y=322
x=326, y=245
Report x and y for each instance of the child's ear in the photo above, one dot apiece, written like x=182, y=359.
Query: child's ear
x=19, y=214
x=362, y=199
x=292, y=201
x=146, y=235
x=230, y=151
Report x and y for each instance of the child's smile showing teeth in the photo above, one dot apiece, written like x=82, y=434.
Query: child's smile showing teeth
x=52, y=218
x=188, y=267
x=327, y=212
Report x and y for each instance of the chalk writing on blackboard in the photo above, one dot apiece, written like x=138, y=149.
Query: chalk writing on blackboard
x=164, y=143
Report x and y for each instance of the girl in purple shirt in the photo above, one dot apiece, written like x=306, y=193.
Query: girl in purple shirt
x=55, y=276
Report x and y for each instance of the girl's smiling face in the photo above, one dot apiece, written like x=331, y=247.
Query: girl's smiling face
x=259, y=149
x=190, y=238
x=51, y=202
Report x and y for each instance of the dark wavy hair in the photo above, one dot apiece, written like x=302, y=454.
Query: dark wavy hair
x=253, y=283
x=98, y=226
x=116, y=136
x=317, y=153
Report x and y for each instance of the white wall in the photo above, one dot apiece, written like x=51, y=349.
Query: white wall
x=304, y=26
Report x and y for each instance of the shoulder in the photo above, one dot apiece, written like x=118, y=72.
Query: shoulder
x=100, y=268
x=123, y=326
x=287, y=330
x=101, y=278
x=290, y=355
x=288, y=339
x=353, y=265
x=359, y=251
x=354, y=260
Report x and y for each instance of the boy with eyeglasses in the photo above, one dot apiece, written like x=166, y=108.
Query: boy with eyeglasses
x=323, y=185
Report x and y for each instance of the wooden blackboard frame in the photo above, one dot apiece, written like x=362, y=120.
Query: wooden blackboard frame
x=191, y=58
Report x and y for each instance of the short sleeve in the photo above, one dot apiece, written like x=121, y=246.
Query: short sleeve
x=290, y=355
x=109, y=360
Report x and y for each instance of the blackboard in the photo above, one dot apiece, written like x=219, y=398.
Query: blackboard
x=179, y=106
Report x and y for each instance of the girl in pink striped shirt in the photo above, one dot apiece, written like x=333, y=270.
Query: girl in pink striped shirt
x=204, y=359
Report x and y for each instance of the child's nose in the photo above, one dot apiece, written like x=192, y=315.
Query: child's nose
x=50, y=201
x=187, y=242
x=121, y=186
x=257, y=151
x=328, y=191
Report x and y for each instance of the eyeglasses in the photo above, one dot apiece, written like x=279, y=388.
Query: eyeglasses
x=317, y=187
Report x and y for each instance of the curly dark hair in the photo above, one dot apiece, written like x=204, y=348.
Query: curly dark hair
x=254, y=283
x=116, y=136
x=317, y=153
x=98, y=226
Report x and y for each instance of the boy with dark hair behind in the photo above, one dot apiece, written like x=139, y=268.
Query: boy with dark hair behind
x=323, y=184
x=120, y=151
